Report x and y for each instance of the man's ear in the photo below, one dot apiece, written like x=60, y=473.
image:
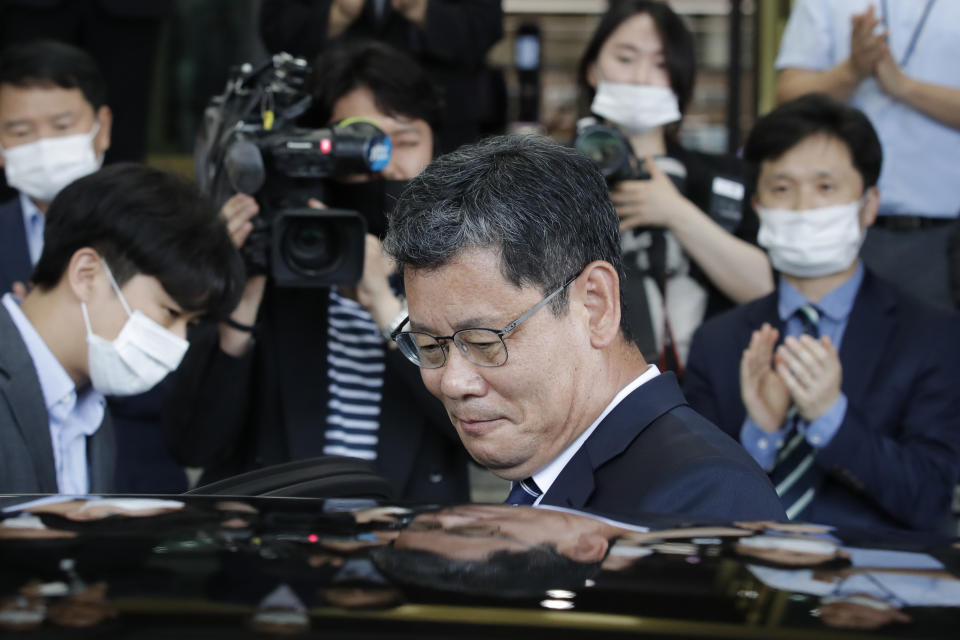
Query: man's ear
x=598, y=291
x=588, y=547
x=101, y=141
x=82, y=272
x=871, y=204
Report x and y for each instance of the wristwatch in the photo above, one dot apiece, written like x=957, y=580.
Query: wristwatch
x=394, y=324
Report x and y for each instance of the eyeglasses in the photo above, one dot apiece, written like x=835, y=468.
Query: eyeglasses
x=483, y=347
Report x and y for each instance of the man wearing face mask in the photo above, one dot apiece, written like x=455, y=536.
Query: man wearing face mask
x=54, y=128
x=299, y=373
x=131, y=255
x=855, y=412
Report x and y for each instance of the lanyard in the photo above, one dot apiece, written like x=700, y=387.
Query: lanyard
x=912, y=44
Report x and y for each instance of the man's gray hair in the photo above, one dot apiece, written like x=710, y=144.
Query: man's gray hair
x=543, y=207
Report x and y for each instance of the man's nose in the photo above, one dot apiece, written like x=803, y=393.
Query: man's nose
x=459, y=377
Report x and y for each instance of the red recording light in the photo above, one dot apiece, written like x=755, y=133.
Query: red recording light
x=312, y=537
x=326, y=146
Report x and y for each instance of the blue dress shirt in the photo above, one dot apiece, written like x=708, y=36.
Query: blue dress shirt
x=33, y=222
x=920, y=170
x=835, y=310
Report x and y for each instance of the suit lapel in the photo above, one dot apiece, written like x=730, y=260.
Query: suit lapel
x=20, y=386
x=101, y=457
x=14, y=255
x=870, y=325
x=764, y=310
x=575, y=484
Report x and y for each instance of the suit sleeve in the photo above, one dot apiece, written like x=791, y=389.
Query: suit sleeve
x=698, y=388
x=460, y=33
x=209, y=401
x=907, y=468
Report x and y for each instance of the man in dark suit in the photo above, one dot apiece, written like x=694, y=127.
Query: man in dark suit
x=855, y=412
x=54, y=128
x=299, y=373
x=559, y=400
x=131, y=255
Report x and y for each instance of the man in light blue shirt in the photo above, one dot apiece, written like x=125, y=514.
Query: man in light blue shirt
x=54, y=128
x=855, y=413
x=896, y=61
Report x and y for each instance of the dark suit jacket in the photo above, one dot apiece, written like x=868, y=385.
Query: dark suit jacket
x=654, y=454
x=896, y=457
x=232, y=415
x=26, y=452
x=14, y=257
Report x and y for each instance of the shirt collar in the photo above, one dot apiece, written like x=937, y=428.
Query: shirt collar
x=546, y=476
x=836, y=305
x=29, y=209
x=57, y=386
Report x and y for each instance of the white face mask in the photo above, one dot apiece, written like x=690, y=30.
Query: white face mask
x=137, y=359
x=635, y=107
x=811, y=243
x=43, y=168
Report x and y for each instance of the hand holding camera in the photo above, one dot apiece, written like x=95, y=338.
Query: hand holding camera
x=654, y=202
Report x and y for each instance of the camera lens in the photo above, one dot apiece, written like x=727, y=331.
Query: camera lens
x=309, y=246
x=605, y=149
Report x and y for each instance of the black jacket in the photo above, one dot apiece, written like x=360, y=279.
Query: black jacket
x=232, y=415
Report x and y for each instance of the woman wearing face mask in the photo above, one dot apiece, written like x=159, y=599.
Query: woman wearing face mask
x=686, y=232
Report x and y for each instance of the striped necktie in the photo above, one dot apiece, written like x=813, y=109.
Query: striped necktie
x=795, y=474
x=524, y=492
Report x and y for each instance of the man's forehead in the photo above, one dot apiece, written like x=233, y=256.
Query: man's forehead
x=41, y=101
x=815, y=154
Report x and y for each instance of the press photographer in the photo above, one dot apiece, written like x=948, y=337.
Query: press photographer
x=687, y=228
x=302, y=371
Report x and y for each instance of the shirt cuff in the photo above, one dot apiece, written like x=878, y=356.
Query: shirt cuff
x=762, y=446
x=820, y=432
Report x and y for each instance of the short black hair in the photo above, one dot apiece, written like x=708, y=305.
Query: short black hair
x=810, y=115
x=399, y=85
x=147, y=221
x=678, y=46
x=46, y=64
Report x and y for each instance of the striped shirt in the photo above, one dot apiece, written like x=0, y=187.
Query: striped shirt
x=355, y=359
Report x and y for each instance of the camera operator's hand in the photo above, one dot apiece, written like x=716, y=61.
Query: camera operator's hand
x=342, y=14
x=373, y=290
x=413, y=10
x=238, y=212
x=650, y=203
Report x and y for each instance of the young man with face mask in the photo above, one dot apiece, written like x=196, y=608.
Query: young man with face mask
x=131, y=255
x=300, y=373
x=842, y=388
x=54, y=128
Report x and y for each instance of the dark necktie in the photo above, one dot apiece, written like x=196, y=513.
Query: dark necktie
x=795, y=474
x=524, y=492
